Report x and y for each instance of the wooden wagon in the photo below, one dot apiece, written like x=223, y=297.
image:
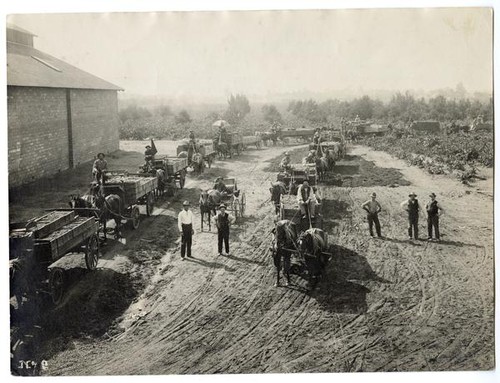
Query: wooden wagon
x=204, y=147
x=235, y=199
x=36, y=245
x=252, y=140
x=304, y=134
x=234, y=142
x=298, y=174
x=134, y=190
x=175, y=172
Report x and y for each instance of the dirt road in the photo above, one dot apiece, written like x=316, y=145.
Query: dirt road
x=383, y=305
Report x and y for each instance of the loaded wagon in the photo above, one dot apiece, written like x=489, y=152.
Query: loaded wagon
x=234, y=199
x=430, y=127
x=299, y=174
x=234, y=142
x=338, y=147
x=175, y=173
x=289, y=209
x=303, y=134
x=204, y=147
x=134, y=190
x=252, y=140
x=36, y=245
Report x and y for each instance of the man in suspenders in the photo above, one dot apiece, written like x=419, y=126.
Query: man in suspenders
x=434, y=210
x=223, y=220
x=412, y=206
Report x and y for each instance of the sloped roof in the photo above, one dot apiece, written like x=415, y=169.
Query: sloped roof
x=27, y=66
x=19, y=29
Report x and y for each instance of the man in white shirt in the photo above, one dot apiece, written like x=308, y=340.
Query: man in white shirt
x=306, y=199
x=185, y=224
x=373, y=207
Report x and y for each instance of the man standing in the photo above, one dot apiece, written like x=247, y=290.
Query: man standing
x=100, y=165
x=306, y=199
x=373, y=207
x=412, y=206
x=223, y=220
x=149, y=153
x=285, y=163
x=434, y=210
x=185, y=225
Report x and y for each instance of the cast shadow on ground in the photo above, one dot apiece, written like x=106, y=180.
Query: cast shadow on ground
x=212, y=265
x=337, y=291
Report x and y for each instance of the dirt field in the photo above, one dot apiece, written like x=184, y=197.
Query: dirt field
x=383, y=305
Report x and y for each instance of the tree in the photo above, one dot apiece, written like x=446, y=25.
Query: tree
x=133, y=112
x=271, y=114
x=238, y=108
x=163, y=111
x=183, y=117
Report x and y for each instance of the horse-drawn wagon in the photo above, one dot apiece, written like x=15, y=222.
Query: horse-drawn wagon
x=134, y=190
x=303, y=134
x=36, y=245
x=298, y=174
x=234, y=198
x=299, y=245
x=338, y=147
x=172, y=173
x=255, y=140
x=204, y=147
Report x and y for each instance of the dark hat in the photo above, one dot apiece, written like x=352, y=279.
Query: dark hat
x=222, y=206
x=412, y=194
x=185, y=203
x=432, y=195
x=148, y=146
x=98, y=154
x=374, y=194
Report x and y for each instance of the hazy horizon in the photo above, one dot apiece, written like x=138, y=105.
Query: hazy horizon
x=209, y=55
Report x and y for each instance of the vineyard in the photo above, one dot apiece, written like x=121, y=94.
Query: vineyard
x=457, y=154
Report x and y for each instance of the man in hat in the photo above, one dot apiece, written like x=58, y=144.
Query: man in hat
x=285, y=163
x=185, y=224
x=306, y=199
x=149, y=153
x=434, y=210
x=223, y=221
x=310, y=159
x=372, y=208
x=100, y=165
x=220, y=186
x=412, y=206
x=191, y=136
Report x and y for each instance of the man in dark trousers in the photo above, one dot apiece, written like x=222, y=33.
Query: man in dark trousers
x=185, y=224
x=412, y=206
x=372, y=207
x=434, y=210
x=223, y=221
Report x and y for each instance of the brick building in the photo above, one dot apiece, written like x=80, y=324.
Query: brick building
x=58, y=115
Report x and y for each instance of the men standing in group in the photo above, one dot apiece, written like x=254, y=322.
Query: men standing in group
x=306, y=199
x=434, y=210
x=412, y=206
x=185, y=224
x=223, y=221
x=373, y=207
x=100, y=165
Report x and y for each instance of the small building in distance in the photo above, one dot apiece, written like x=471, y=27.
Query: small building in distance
x=59, y=116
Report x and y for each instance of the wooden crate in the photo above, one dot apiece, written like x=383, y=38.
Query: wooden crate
x=67, y=237
x=175, y=164
x=52, y=221
x=135, y=187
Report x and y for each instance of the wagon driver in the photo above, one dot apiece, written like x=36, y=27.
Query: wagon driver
x=285, y=163
x=306, y=200
x=185, y=224
x=100, y=165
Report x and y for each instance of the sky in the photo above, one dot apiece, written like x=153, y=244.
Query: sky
x=213, y=54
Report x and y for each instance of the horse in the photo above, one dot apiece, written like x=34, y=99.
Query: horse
x=312, y=245
x=209, y=201
x=285, y=236
x=108, y=207
x=277, y=189
x=223, y=150
x=162, y=182
x=198, y=163
x=321, y=167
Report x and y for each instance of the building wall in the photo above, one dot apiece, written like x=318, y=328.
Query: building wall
x=37, y=133
x=94, y=115
x=38, y=142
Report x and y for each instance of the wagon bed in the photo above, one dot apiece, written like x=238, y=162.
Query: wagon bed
x=134, y=187
x=289, y=209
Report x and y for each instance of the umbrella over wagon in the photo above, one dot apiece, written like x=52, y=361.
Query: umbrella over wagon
x=220, y=123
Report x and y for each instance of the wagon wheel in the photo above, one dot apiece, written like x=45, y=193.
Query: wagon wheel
x=236, y=208
x=150, y=204
x=182, y=180
x=243, y=203
x=56, y=285
x=92, y=252
x=135, y=217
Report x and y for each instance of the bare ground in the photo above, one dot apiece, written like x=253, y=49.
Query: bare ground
x=383, y=305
